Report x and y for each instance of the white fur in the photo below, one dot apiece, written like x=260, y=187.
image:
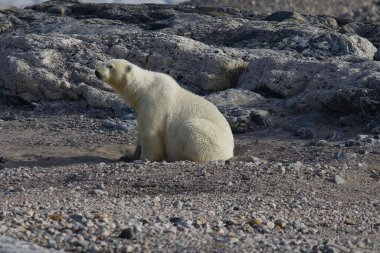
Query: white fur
x=173, y=123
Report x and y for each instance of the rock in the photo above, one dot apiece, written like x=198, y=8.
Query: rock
x=259, y=117
x=321, y=143
x=255, y=222
x=77, y=217
x=127, y=233
x=239, y=118
x=270, y=224
x=351, y=143
x=98, y=192
x=280, y=223
x=178, y=221
x=304, y=133
x=350, y=221
x=235, y=97
x=295, y=166
x=338, y=180
x=285, y=15
x=121, y=126
x=178, y=204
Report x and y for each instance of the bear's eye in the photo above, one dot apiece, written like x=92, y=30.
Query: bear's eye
x=110, y=66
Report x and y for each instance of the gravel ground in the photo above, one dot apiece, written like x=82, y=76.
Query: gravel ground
x=63, y=188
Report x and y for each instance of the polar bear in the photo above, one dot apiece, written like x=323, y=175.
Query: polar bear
x=173, y=123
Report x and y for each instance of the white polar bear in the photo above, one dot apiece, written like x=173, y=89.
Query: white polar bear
x=173, y=123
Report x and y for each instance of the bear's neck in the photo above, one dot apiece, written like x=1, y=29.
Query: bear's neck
x=133, y=92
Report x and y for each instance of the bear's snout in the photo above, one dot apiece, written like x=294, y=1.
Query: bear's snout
x=98, y=74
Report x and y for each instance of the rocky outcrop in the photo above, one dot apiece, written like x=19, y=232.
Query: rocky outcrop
x=286, y=61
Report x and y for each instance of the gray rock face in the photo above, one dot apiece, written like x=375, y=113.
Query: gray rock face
x=303, y=62
x=337, y=85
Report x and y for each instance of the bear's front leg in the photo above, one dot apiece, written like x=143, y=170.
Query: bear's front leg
x=152, y=147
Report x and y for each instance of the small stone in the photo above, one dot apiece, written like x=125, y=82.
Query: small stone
x=77, y=217
x=97, y=192
x=351, y=143
x=350, y=221
x=245, y=176
x=3, y=229
x=255, y=222
x=270, y=224
x=156, y=200
x=178, y=204
x=104, y=233
x=201, y=220
x=362, y=137
x=101, y=165
x=321, y=172
x=295, y=166
x=321, y=143
x=130, y=248
x=304, y=133
x=55, y=217
x=338, y=180
x=127, y=233
x=178, y=221
x=280, y=223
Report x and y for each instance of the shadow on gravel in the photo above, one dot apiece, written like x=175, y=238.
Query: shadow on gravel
x=57, y=161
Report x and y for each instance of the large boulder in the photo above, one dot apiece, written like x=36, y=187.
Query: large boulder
x=308, y=85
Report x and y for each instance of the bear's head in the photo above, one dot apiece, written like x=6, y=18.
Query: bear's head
x=117, y=73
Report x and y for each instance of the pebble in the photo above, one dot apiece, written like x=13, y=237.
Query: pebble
x=178, y=204
x=350, y=221
x=255, y=222
x=295, y=166
x=338, y=180
x=280, y=223
x=77, y=217
x=97, y=192
x=270, y=224
x=321, y=143
x=351, y=143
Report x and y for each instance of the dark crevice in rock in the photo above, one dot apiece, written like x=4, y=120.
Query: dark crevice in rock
x=268, y=93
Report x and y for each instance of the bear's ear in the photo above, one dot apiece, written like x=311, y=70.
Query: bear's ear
x=129, y=68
